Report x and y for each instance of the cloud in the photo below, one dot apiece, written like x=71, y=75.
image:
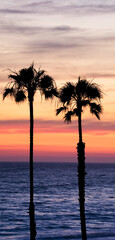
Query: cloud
x=15, y=28
x=100, y=75
x=69, y=44
x=56, y=126
x=111, y=90
x=66, y=43
x=68, y=7
x=59, y=45
x=12, y=11
x=67, y=39
x=60, y=8
x=43, y=3
x=96, y=125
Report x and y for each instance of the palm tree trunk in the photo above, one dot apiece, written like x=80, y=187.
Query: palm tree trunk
x=81, y=179
x=31, y=208
x=80, y=126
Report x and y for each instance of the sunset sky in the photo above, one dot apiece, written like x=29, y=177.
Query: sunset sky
x=67, y=39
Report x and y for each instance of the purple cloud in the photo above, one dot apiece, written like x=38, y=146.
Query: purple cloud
x=41, y=125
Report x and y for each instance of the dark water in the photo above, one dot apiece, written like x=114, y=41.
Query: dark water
x=56, y=201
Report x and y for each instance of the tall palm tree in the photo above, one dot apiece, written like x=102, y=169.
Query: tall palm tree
x=23, y=86
x=73, y=98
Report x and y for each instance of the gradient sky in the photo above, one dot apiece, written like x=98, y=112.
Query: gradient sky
x=67, y=39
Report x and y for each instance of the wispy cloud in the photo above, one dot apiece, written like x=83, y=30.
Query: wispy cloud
x=16, y=29
x=12, y=11
x=100, y=75
x=57, y=126
x=55, y=7
x=68, y=7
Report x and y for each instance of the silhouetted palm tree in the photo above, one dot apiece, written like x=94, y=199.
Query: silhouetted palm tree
x=24, y=85
x=73, y=98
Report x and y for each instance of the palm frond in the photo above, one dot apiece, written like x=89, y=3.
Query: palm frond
x=76, y=111
x=8, y=91
x=81, y=87
x=27, y=75
x=20, y=96
x=96, y=109
x=67, y=117
x=39, y=75
x=48, y=94
x=15, y=77
x=93, y=111
x=66, y=92
x=55, y=92
x=47, y=87
x=46, y=82
x=84, y=103
x=94, y=91
x=60, y=110
x=96, y=106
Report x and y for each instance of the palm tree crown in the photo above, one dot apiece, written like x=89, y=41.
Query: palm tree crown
x=74, y=97
x=27, y=82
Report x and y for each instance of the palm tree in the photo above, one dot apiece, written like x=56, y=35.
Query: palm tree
x=73, y=98
x=24, y=85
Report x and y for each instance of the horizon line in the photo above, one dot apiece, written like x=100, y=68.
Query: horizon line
x=57, y=162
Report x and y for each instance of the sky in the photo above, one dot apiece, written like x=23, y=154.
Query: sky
x=68, y=39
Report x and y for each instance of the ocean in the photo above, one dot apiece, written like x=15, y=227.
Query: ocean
x=56, y=201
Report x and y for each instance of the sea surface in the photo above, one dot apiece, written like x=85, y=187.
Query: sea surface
x=56, y=201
